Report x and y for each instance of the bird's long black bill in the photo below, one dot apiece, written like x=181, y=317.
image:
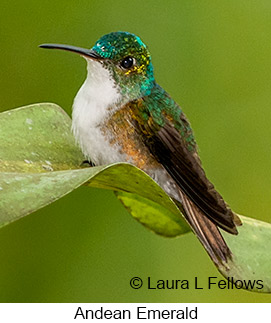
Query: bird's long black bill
x=82, y=51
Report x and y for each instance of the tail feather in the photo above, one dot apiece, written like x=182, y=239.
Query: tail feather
x=206, y=231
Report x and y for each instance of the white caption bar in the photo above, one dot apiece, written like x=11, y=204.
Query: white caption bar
x=176, y=312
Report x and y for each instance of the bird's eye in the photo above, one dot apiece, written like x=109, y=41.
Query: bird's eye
x=127, y=62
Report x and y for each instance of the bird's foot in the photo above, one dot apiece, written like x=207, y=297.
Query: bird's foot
x=88, y=163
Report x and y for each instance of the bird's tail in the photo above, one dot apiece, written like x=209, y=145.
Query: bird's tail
x=206, y=231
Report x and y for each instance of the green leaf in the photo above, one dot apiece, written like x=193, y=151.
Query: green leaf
x=152, y=215
x=40, y=162
x=37, y=138
x=251, y=250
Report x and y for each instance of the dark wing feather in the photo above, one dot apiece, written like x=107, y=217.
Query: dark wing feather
x=202, y=206
x=185, y=168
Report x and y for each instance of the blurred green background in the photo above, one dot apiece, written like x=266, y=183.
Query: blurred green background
x=213, y=57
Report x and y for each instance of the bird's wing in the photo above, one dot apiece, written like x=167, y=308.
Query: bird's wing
x=173, y=149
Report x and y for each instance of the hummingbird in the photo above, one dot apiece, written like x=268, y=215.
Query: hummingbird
x=120, y=114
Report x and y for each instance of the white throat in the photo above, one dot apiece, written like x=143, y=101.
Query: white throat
x=90, y=109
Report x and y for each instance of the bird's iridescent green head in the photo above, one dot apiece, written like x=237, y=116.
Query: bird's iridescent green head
x=128, y=60
x=125, y=57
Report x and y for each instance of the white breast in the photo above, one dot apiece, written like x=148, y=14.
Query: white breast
x=90, y=109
